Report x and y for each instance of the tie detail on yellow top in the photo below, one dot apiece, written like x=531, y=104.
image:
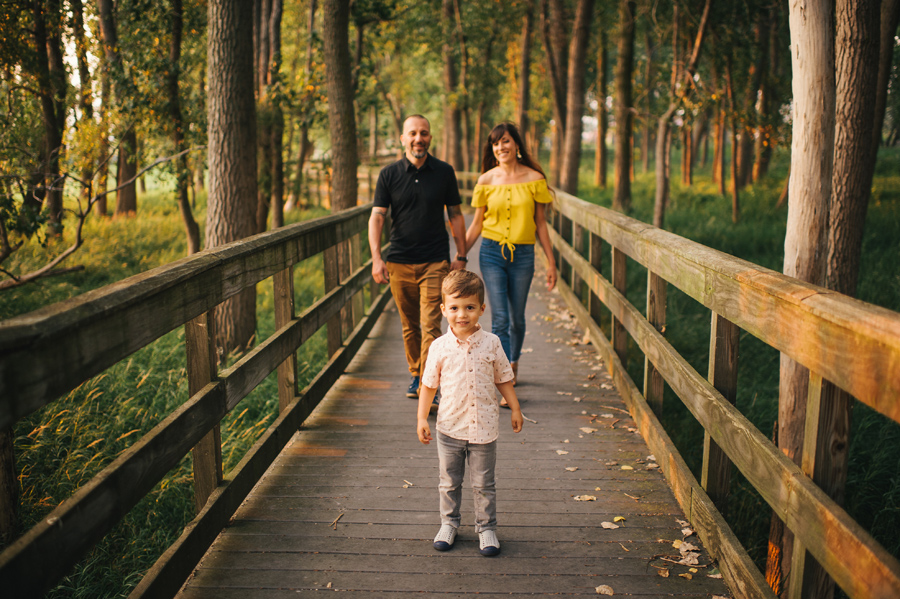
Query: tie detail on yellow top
x=509, y=213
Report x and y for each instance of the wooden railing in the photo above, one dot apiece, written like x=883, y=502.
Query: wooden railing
x=854, y=345
x=45, y=354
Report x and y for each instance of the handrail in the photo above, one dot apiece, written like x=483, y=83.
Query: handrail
x=79, y=338
x=856, y=346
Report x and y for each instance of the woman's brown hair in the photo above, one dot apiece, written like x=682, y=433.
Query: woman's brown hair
x=489, y=161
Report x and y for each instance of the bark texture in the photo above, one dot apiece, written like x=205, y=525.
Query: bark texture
x=575, y=96
x=524, y=75
x=232, y=153
x=624, y=108
x=601, y=155
x=341, y=118
x=809, y=194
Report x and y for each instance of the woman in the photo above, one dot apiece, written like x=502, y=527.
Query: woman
x=509, y=199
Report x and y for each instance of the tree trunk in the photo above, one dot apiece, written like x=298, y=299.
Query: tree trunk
x=341, y=119
x=183, y=174
x=812, y=160
x=601, y=157
x=58, y=86
x=276, y=137
x=649, y=74
x=232, y=154
x=890, y=16
x=575, y=96
x=85, y=96
x=554, y=26
x=306, y=146
x=524, y=78
x=735, y=144
x=452, y=133
x=624, y=115
x=126, y=198
x=100, y=209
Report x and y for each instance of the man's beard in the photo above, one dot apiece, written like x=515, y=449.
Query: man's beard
x=418, y=152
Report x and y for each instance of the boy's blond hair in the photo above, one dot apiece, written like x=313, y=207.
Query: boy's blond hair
x=462, y=283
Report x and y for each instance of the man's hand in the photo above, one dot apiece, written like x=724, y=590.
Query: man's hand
x=457, y=265
x=424, y=431
x=380, y=271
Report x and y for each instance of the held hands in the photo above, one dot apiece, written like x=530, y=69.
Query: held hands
x=457, y=265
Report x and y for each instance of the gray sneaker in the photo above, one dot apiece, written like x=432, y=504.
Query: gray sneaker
x=445, y=538
x=490, y=545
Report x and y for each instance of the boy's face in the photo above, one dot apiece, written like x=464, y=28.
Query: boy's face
x=462, y=313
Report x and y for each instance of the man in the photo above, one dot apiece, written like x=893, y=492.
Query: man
x=416, y=188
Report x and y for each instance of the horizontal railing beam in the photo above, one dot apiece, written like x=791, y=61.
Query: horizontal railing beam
x=49, y=352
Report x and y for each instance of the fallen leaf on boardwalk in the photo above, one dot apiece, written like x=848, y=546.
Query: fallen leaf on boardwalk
x=652, y=458
x=328, y=586
x=688, y=576
x=566, y=441
x=563, y=393
x=627, y=468
x=585, y=498
x=587, y=429
x=619, y=519
x=405, y=486
x=612, y=463
x=717, y=576
x=609, y=525
x=597, y=488
x=604, y=590
x=577, y=399
x=685, y=546
x=571, y=468
x=664, y=573
x=677, y=544
x=692, y=570
x=606, y=416
x=682, y=523
x=687, y=532
x=652, y=466
x=690, y=558
x=561, y=452
x=625, y=548
x=586, y=339
x=527, y=350
x=606, y=386
x=633, y=497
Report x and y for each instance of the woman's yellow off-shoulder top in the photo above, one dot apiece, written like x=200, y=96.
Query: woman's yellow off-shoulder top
x=509, y=217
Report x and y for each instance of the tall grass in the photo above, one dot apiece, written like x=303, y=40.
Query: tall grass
x=62, y=446
x=700, y=213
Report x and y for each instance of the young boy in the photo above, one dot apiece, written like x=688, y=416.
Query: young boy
x=466, y=362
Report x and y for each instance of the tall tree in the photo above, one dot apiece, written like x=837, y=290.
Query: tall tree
x=624, y=108
x=126, y=198
x=664, y=132
x=575, y=96
x=182, y=173
x=85, y=94
x=812, y=160
x=554, y=23
x=524, y=74
x=890, y=17
x=232, y=153
x=341, y=113
x=270, y=127
x=601, y=155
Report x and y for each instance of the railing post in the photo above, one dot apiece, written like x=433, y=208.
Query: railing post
x=332, y=280
x=283, y=282
x=9, y=487
x=724, y=337
x=596, y=259
x=578, y=245
x=619, y=334
x=565, y=269
x=200, y=347
x=357, y=305
x=654, y=386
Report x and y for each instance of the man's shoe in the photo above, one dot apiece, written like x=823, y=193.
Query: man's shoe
x=445, y=538
x=490, y=545
x=413, y=390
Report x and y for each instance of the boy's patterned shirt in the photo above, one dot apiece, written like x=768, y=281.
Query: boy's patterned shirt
x=466, y=372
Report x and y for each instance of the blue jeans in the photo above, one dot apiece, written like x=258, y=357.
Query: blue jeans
x=452, y=456
x=507, y=283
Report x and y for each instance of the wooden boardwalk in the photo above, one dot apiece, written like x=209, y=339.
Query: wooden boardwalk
x=351, y=504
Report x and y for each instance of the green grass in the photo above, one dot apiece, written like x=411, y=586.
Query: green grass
x=61, y=447
x=699, y=213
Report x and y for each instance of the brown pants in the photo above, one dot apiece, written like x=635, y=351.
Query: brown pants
x=417, y=292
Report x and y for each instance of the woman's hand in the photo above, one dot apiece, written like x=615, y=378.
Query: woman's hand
x=551, y=277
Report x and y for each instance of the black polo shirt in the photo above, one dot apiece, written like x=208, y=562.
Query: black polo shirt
x=417, y=199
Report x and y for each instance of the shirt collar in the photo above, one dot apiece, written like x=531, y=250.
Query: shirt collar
x=409, y=166
x=473, y=339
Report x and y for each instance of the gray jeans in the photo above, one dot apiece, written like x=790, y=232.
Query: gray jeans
x=453, y=455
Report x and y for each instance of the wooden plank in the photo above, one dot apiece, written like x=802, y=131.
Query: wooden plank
x=724, y=338
x=619, y=338
x=43, y=354
x=595, y=257
x=332, y=280
x=833, y=335
x=654, y=385
x=283, y=283
x=176, y=564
